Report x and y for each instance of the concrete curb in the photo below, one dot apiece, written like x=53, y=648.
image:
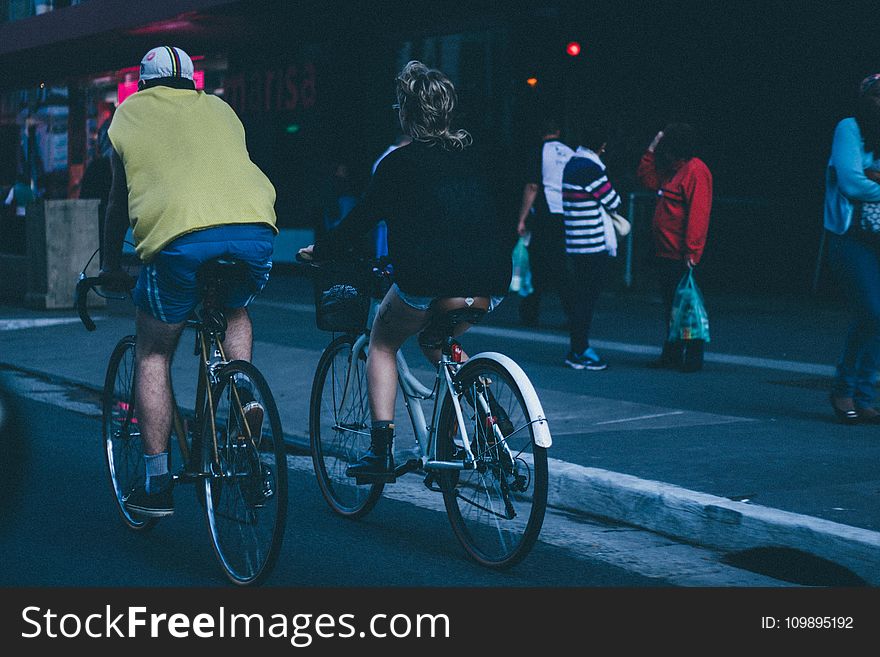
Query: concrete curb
x=708, y=520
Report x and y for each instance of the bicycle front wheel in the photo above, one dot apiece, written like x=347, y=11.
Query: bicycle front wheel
x=123, y=447
x=246, y=490
x=496, y=509
x=339, y=428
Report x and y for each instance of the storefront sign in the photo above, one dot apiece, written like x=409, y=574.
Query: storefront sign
x=274, y=90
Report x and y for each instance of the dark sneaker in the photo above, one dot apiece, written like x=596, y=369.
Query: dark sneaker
x=592, y=361
x=155, y=505
x=589, y=360
x=258, y=487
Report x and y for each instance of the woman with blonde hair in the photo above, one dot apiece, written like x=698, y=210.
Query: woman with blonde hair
x=445, y=240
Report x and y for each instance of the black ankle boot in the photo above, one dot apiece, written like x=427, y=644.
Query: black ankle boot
x=379, y=459
x=692, y=355
x=670, y=358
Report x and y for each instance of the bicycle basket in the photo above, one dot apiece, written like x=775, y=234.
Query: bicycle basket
x=342, y=298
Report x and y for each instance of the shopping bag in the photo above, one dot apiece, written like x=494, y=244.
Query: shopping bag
x=521, y=280
x=689, y=319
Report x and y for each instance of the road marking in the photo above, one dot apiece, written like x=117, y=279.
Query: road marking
x=640, y=417
x=609, y=345
x=283, y=305
x=35, y=322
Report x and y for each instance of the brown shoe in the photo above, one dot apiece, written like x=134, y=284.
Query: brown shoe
x=845, y=410
x=868, y=415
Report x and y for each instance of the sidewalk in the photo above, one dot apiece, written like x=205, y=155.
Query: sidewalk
x=743, y=457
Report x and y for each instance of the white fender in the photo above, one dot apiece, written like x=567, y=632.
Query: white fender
x=540, y=427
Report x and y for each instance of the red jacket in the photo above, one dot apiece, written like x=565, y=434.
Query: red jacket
x=681, y=217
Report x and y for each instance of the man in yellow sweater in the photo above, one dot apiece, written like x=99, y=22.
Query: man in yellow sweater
x=184, y=182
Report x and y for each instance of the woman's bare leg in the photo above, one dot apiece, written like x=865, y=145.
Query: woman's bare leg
x=395, y=322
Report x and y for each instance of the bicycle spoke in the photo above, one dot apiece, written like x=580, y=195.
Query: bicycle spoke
x=123, y=450
x=246, y=495
x=339, y=427
x=497, y=508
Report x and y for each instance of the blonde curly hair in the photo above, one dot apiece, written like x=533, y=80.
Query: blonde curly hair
x=427, y=100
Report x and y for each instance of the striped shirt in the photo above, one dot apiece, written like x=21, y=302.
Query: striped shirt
x=586, y=190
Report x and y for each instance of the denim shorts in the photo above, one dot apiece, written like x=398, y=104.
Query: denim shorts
x=423, y=303
x=166, y=287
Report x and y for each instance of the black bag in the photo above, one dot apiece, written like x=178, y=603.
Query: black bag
x=342, y=298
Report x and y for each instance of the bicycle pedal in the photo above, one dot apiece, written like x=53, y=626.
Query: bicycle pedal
x=366, y=480
x=410, y=466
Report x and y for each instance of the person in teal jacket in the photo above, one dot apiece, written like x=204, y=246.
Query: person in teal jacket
x=849, y=180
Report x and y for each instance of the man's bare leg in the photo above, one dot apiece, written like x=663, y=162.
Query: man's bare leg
x=238, y=344
x=156, y=343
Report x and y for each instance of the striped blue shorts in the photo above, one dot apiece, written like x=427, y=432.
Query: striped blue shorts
x=166, y=287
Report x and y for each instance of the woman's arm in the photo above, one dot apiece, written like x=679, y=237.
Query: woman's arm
x=846, y=158
x=369, y=210
x=647, y=172
x=698, y=191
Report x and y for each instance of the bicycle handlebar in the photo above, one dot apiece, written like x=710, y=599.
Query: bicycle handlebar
x=378, y=265
x=83, y=286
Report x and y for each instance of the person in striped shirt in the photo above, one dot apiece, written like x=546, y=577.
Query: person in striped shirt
x=587, y=199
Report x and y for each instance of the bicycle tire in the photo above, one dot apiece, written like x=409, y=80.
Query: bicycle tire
x=246, y=496
x=123, y=448
x=496, y=510
x=339, y=436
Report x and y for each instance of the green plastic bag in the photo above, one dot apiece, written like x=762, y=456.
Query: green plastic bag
x=689, y=320
x=521, y=280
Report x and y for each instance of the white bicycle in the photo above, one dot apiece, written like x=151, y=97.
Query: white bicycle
x=483, y=446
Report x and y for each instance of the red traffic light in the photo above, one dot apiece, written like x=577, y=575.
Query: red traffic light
x=573, y=49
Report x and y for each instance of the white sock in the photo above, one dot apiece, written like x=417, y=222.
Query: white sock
x=157, y=466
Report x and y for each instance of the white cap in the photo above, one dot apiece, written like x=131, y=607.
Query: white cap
x=166, y=62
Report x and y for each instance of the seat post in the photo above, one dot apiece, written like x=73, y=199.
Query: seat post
x=452, y=349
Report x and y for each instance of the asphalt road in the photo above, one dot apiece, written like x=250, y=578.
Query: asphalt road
x=720, y=432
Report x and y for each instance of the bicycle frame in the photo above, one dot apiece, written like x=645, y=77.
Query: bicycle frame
x=212, y=357
x=414, y=393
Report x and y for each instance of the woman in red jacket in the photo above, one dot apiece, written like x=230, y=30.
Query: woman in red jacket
x=683, y=184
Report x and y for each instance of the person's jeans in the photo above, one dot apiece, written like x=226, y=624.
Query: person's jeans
x=547, y=264
x=858, y=266
x=587, y=276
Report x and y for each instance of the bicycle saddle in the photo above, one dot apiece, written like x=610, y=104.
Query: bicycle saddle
x=449, y=313
x=219, y=273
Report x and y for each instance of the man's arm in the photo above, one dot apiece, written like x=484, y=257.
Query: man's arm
x=530, y=192
x=116, y=219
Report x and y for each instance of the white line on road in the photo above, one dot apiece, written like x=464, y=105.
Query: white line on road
x=640, y=417
x=34, y=322
x=624, y=347
x=282, y=305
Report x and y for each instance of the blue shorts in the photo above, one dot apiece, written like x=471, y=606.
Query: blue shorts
x=423, y=303
x=166, y=287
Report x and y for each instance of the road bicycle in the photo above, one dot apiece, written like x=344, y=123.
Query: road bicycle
x=483, y=446
x=231, y=446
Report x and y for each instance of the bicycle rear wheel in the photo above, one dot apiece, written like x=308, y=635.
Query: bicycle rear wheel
x=246, y=494
x=123, y=447
x=497, y=509
x=339, y=428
